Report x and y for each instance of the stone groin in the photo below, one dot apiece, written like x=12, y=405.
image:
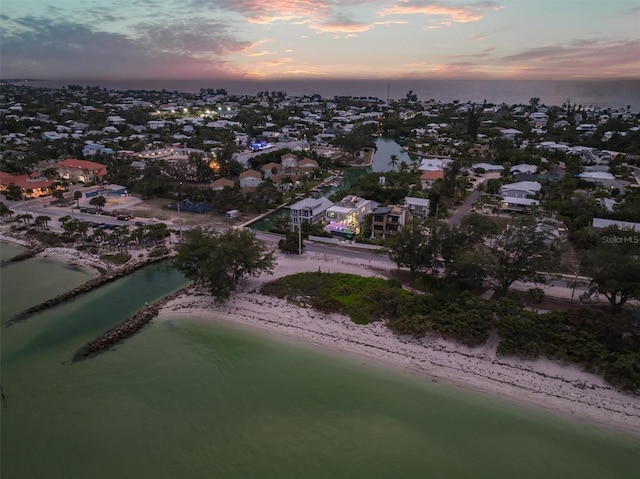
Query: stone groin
x=125, y=329
x=84, y=288
x=33, y=251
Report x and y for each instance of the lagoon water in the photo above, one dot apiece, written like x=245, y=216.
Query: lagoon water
x=192, y=399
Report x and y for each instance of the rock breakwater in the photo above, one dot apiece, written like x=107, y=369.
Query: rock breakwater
x=125, y=329
x=85, y=288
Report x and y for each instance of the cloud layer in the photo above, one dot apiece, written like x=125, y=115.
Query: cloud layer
x=324, y=38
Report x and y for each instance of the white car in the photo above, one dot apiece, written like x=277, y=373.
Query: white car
x=153, y=220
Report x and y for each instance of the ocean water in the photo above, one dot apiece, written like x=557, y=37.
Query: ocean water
x=601, y=93
x=194, y=399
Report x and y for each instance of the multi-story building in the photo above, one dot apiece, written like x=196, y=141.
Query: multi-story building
x=388, y=220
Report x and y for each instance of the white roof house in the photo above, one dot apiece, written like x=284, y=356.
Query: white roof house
x=418, y=207
x=520, y=189
x=433, y=164
x=596, y=175
x=309, y=210
x=523, y=168
x=349, y=212
x=510, y=133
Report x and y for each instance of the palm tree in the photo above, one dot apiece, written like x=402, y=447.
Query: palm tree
x=5, y=212
x=394, y=161
x=42, y=221
x=76, y=196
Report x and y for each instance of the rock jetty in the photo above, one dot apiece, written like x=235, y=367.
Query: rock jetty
x=35, y=250
x=125, y=329
x=85, y=288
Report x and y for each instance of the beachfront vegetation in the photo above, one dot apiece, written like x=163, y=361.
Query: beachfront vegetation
x=219, y=261
x=478, y=249
x=591, y=337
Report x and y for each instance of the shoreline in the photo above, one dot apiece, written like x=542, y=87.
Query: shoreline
x=563, y=390
x=544, y=385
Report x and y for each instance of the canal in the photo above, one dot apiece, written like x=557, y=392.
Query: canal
x=385, y=147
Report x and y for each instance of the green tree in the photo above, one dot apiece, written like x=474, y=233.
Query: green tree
x=520, y=252
x=98, y=202
x=291, y=243
x=77, y=195
x=14, y=192
x=614, y=267
x=418, y=246
x=5, y=212
x=42, y=221
x=220, y=260
x=393, y=161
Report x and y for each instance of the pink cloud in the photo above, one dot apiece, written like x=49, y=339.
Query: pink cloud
x=455, y=13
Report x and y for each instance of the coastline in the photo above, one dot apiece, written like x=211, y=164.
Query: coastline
x=564, y=390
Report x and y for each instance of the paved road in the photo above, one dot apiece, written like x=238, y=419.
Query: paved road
x=464, y=209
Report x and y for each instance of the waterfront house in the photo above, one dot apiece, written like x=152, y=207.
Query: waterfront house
x=81, y=170
x=388, y=220
x=345, y=216
x=308, y=165
x=418, y=207
x=309, y=210
x=428, y=178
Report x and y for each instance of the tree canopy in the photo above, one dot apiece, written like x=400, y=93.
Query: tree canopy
x=220, y=260
x=614, y=267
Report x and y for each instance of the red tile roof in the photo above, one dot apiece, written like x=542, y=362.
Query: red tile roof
x=432, y=175
x=23, y=181
x=81, y=165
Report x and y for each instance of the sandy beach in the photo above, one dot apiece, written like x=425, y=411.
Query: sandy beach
x=559, y=389
x=556, y=388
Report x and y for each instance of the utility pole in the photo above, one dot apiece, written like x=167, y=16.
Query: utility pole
x=300, y=238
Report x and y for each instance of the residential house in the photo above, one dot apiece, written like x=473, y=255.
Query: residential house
x=91, y=149
x=510, y=133
x=487, y=167
x=250, y=179
x=388, y=220
x=289, y=160
x=345, y=217
x=428, y=178
x=517, y=204
x=221, y=184
x=521, y=189
x=81, y=170
x=418, y=207
x=523, y=168
x=309, y=210
x=432, y=164
x=32, y=185
x=308, y=165
x=271, y=169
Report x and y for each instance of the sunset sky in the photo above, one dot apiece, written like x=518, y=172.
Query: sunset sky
x=275, y=39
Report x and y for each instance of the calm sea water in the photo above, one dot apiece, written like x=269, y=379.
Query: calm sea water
x=603, y=93
x=187, y=398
